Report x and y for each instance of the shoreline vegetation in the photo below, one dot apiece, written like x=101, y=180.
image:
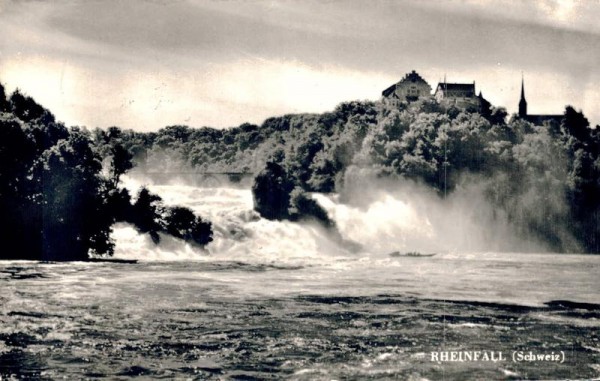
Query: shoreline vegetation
x=56, y=201
x=60, y=187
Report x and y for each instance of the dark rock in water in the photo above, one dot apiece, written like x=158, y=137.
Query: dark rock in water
x=410, y=254
x=18, y=339
x=567, y=304
x=135, y=371
x=23, y=365
x=113, y=260
x=16, y=272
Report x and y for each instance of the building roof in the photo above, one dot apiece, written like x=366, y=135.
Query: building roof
x=463, y=87
x=389, y=90
x=411, y=77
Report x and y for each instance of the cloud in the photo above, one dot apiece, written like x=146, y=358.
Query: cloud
x=384, y=36
x=561, y=14
x=145, y=64
x=247, y=90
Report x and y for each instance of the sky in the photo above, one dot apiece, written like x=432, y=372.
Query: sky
x=147, y=64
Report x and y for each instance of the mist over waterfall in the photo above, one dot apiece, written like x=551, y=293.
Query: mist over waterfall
x=400, y=214
x=378, y=217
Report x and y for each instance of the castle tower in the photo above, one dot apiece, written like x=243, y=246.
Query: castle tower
x=523, y=102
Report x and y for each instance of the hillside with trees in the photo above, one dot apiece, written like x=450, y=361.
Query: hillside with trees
x=544, y=178
x=57, y=204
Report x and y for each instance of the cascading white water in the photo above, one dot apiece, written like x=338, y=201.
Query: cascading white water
x=239, y=232
x=379, y=220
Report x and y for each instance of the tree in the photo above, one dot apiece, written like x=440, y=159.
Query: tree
x=182, y=223
x=18, y=218
x=27, y=109
x=497, y=115
x=146, y=214
x=271, y=192
x=576, y=125
x=119, y=205
x=4, y=105
x=120, y=163
x=302, y=206
x=72, y=203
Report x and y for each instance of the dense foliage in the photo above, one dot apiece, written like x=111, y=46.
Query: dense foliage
x=544, y=178
x=316, y=148
x=55, y=201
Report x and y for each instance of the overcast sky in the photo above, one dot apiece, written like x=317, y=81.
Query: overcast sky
x=146, y=64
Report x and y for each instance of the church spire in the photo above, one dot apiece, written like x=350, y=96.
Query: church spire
x=522, y=102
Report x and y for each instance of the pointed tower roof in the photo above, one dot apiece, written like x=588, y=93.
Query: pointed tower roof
x=522, y=102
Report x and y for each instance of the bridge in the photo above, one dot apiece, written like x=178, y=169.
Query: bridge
x=202, y=179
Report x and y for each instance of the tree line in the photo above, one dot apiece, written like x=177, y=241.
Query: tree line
x=545, y=178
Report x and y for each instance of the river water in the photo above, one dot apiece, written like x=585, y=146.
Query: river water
x=273, y=300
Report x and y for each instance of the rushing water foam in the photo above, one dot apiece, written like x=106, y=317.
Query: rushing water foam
x=239, y=232
x=404, y=219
